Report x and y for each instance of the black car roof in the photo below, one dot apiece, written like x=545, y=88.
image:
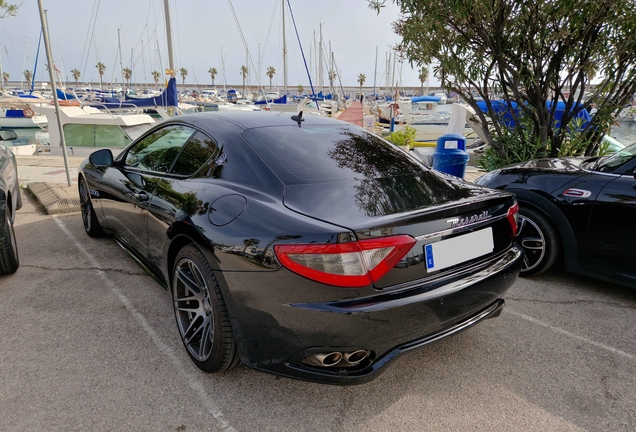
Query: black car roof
x=252, y=119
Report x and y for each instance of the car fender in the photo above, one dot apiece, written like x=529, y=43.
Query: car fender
x=547, y=207
x=182, y=233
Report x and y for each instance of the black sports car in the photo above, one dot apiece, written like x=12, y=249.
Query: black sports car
x=284, y=240
x=10, y=201
x=581, y=208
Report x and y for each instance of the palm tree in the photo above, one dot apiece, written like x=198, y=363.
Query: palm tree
x=28, y=75
x=361, y=79
x=244, y=72
x=101, y=68
x=127, y=74
x=76, y=75
x=270, y=73
x=5, y=78
x=332, y=76
x=184, y=73
x=155, y=76
x=301, y=89
x=213, y=72
x=423, y=76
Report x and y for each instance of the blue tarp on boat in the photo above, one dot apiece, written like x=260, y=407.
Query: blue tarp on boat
x=417, y=99
x=502, y=110
x=280, y=100
x=23, y=95
x=64, y=96
x=167, y=98
x=14, y=113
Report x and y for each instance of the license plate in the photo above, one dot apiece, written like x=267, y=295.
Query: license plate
x=447, y=253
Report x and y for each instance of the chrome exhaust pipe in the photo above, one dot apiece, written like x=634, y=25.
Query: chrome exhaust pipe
x=329, y=359
x=355, y=357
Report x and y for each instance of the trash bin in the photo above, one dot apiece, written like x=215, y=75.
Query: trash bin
x=450, y=155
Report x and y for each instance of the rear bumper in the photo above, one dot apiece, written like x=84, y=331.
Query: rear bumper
x=275, y=336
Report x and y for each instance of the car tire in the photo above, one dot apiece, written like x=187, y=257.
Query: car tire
x=202, y=317
x=9, y=260
x=539, y=240
x=89, y=218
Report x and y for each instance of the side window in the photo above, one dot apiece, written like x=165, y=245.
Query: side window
x=157, y=151
x=197, y=151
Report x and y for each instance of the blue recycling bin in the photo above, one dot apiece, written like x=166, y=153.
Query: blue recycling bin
x=450, y=155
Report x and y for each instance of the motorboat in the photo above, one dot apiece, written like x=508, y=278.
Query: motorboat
x=429, y=123
x=15, y=113
x=88, y=126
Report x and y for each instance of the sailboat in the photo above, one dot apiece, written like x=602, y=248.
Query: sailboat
x=17, y=112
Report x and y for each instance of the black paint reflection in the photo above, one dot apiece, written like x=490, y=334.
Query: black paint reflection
x=389, y=181
x=187, y=202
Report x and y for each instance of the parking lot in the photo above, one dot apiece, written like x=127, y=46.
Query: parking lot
x=89, y=342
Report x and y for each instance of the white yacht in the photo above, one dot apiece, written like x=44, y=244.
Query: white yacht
x=87, y=126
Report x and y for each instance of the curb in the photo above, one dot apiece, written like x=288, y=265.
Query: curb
x=55, y=198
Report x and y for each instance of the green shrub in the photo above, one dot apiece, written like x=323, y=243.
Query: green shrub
x=405, y=137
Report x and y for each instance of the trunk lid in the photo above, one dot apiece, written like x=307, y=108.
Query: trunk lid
x=430, y=207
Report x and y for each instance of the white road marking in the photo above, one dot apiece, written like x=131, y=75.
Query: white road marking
x=572, y=335
x=193, y=383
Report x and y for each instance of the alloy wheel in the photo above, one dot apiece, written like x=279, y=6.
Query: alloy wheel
x=85, y=205
x=193, y=308
x=532, y=241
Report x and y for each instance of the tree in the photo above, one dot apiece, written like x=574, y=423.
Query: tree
x=76, y=75
x=535, y=54
x=301, y=89
x=7, y=9
x=271, y=71
x=127, y=73
x=155, y=76
x=184, y=74
x=423, y=76
x=361, y=80
x=28, y=75
x=244, y=72
x=213, y=73
x=101, y=68
x=5, y=78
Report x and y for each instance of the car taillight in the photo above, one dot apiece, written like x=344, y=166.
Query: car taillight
x=513, y=216
x=349, y=265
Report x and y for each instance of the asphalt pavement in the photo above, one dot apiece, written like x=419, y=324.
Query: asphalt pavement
x=89, y=343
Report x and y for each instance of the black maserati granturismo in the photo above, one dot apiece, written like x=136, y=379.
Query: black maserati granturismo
x=579, y=210
x=304, y=247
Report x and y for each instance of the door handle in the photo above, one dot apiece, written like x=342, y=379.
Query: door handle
x=141, y=196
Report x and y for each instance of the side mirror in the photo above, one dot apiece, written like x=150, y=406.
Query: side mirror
x=8, y=135
x=101, y=158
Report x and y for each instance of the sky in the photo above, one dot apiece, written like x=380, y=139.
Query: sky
x=205, y=34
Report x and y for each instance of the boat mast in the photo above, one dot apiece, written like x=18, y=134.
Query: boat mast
x=121, y=63
x=375, y=72
x=320, y=78
x=284, y=51
x=1, y=76
x=56, y=102
x=169, y=33
x=331, y=73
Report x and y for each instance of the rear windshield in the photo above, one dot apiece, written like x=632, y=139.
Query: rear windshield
x=325, y=153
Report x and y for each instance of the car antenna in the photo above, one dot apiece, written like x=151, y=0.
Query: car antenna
x=298, y=118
